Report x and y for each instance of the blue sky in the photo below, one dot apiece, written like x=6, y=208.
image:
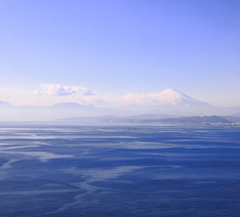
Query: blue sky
x=116, y=47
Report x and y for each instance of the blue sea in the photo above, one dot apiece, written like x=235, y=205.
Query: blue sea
x=68, y=170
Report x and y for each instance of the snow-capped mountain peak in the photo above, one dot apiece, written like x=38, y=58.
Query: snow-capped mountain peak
x=174, y=96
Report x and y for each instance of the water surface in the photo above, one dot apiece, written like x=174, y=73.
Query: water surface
x=57, y=170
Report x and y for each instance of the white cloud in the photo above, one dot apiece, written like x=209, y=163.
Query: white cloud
x=11, y=91
x=58, y=90
x=167, y=96
x=142, y=99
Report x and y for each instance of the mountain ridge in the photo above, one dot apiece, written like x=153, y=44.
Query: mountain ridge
x=171, y=102
x=154, y=118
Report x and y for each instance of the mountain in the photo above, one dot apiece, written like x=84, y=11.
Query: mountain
x=174, y=102
x=198, y=119
x=56, y=111
x=4, y=104
x=72, y=105
x=166, y=104
x=152, y=118
x=115, y=119
x=175, y=97
x=237, y=114
x=233, y=119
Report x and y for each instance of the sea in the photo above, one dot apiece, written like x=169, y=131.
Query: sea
x=102, y=170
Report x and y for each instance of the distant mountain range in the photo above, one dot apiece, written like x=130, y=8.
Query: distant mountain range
x=151, y=118
x=4, y=104
x=168, y=103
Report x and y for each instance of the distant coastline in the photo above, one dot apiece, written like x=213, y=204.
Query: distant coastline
x=215, y=120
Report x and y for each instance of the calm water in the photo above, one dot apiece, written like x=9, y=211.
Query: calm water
x=70, y=170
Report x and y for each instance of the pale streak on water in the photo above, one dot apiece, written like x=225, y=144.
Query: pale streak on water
x=54, y=170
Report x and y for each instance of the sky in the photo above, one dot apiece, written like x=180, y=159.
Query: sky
x=103, y=51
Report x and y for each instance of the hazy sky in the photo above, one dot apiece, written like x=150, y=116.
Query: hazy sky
x=95, y=50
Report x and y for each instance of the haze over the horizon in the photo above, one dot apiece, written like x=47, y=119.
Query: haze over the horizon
x=113, y=52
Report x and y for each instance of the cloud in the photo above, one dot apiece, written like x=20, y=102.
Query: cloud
x=142, y=99
x=100, y=100
x=11, y=91
x=130, y=98
x=58, y=90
